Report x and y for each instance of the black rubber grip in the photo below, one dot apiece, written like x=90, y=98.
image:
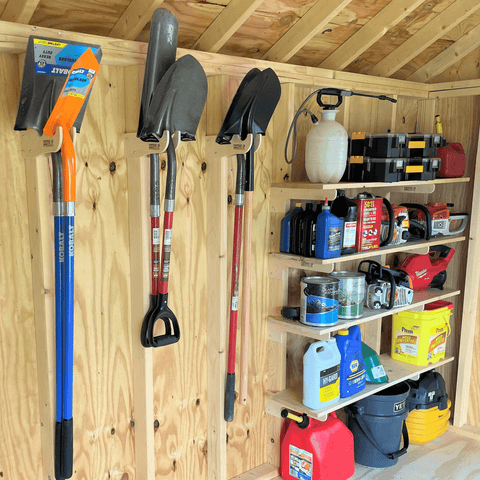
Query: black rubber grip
x=229, y=397
x=58, y=451
x=67, y=448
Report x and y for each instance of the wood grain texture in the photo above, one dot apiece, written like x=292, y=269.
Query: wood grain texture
x=20, y=429
x=20, y=11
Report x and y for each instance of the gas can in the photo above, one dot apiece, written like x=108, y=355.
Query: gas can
x=321, y=374
x=452, y=160
x=368, y=222
x=319, y=450
x=329, y=234
x=347, y=211
x=420, y=338
x=319, y=301
x=351, y=294
x=352, y=368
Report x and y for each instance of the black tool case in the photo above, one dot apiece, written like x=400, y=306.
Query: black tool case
x=422, y=144
x=383, y=169
x=421, y=168
x=385, y=145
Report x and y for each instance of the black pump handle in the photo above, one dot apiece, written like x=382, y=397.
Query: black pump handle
x=337, y=92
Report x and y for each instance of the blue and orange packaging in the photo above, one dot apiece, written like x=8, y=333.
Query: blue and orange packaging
x=353, y=376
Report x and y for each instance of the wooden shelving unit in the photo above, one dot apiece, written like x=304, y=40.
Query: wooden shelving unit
x=397, y=372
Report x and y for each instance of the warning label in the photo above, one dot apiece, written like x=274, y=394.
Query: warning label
x=300, y=463
x=330, y=383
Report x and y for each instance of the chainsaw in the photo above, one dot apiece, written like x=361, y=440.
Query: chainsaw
x=401, y=225
x=385, y=288
x=430, y=270
x=434, y=219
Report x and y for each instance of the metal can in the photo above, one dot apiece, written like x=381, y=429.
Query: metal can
x=319, y=301
x=351, y=294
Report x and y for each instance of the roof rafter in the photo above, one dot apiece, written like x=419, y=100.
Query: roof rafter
x=226, y=24
x=20, y=11
x=431, y=32
x=450, y=56
x=305, y=29
x=134, y=18
x=371, y=32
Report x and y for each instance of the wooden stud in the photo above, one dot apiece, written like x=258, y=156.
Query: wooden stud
x=306, y=28
x=226, y=24
x=453, y=54
x=19, y=11
x=133, y=20
x=217, y=300
x=370, y=33
x=432, y=31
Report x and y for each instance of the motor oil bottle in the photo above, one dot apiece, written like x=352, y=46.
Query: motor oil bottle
x=315, y=450
x=352, y=366
x=321, y=374
x=346, y=210
x=286, y=228
x=294, y=227
x=301, y=227
x=329, y=234
x=309, y=230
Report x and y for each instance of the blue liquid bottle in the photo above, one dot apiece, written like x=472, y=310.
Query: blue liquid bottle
x=329, y=234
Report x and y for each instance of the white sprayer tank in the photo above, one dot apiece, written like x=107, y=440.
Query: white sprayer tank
x=326, y=150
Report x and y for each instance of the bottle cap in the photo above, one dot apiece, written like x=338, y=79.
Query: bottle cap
x=342, y=332
x=325, y=205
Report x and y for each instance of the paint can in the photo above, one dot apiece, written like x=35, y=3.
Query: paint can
x=351, y=294
x=319, y=301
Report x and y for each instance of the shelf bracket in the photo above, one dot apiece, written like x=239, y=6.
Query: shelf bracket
x=276, y=334
x=274, y=408
x=276, y=266
x=235, y=147
x=136, y=148
x=279, y=197
x=33, y=145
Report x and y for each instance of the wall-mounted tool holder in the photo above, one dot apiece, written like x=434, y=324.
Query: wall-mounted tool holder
x=136, y=148
x=236, y=147
x=34, y=145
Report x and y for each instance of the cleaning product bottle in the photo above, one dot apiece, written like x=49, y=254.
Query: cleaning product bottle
x=329, y=234
x=346, y=210
x=321, y=374
x=326, y=149
x=309, y=230
x=375, y=371
x=352, y=367
x=286, y=228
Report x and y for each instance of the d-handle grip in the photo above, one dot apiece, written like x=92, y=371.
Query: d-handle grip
x=169, y=319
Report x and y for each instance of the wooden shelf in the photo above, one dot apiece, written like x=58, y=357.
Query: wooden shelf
x=282, y=192
x=282, y=260
x=419, y=298
x=397, y=372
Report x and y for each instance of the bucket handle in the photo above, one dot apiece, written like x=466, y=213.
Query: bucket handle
x=366, y=431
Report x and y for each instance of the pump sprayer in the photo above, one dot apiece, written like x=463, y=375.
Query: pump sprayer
x=327, y=142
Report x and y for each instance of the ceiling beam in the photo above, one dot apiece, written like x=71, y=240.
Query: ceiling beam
x=305, y=29
x=372, y=31
x=450, y=56
x=19, y=11
x=430, y=33
x=134, y=18
x=226, y=24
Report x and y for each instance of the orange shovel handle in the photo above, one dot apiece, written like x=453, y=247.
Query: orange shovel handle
x=69, y=167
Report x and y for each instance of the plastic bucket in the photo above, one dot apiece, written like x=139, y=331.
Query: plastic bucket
x=378, y=423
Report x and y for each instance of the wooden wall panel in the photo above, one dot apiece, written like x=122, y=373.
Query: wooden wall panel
x=20, y=441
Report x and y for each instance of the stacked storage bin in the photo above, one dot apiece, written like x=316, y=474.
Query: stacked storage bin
x=393, y=157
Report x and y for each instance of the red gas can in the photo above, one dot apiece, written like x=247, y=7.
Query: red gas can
x=453, y=160
x=320, y=450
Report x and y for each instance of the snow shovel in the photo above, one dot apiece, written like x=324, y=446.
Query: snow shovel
x=162, y=47
x=176, y=106
x=72, y=99
x=258, y=119
x=239, y=121
x=47, y=64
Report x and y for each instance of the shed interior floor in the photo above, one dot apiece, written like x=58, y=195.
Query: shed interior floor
x=452, y=456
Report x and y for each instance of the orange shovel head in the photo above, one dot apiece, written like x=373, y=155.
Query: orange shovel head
x=70, y=101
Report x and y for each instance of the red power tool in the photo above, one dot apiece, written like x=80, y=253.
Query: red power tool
x=428, y=270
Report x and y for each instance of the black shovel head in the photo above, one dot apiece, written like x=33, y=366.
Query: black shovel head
x=47, y=63
x=232, y=124
x=177, y=102
x=162, y=49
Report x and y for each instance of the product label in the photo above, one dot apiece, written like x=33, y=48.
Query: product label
x=300, y=463
x=406, y=344
x=349, y=232
x=320, y=309
x=368, y=224
x=356, y=378
x=436, y=345
x=330, y=383
x=351, y=297
x=334, y=237
x=168, y=237
x=378, y=372
x=55, y=58
x=78, y=83
x=398, y=407
x=156, y=236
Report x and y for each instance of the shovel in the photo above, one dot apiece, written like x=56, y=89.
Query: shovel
x=69, y=104
x=244, y=116
x=162, y=47
x=176, y=107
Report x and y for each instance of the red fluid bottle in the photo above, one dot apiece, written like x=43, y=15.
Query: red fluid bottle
x=314, y=450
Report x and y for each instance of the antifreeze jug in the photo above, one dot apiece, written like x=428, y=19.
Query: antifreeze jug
x=352, y=367
x=321, y=374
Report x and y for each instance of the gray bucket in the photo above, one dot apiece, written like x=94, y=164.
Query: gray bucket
x=378, y=423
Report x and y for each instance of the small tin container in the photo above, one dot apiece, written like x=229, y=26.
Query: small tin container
x=351, y=294
x=319, y=301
